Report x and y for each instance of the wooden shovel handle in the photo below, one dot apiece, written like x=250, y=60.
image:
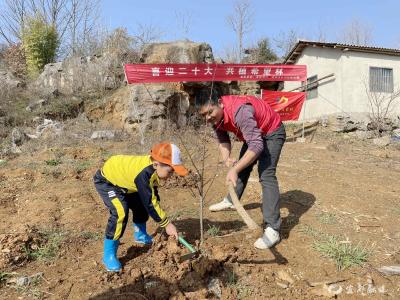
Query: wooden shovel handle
x=239, y=208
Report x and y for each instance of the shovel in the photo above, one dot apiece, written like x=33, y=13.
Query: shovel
x=239, y=208
x=193, y=251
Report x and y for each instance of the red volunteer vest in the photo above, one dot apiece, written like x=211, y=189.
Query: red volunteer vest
x=267, y=119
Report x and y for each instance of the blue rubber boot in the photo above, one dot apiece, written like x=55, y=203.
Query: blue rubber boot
x=110, y=259
x=140, y=234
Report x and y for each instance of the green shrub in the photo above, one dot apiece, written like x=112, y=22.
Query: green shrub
x=61, y=108
x=49, y=250
x=4, y=276
x=343, y=254
x=213, y=230
x=82, y=166
x=327, y=218
x=40, y=42
x=12, y=110
x=265, y=54
x=89, y=235
x=53, y=162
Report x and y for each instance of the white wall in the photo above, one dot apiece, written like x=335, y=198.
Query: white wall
x=346, y=92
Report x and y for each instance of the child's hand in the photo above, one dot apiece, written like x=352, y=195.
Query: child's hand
x=170, y=229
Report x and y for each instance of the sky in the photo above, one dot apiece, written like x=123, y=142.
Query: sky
x=207, y=19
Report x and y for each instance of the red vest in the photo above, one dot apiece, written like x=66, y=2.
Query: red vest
x=267, y=119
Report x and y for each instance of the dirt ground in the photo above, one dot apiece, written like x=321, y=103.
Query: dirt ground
x=333, y=188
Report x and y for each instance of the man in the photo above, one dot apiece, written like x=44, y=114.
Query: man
x=260, y=128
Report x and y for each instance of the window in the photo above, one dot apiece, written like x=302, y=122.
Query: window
x=312, y=89
x=380, y=80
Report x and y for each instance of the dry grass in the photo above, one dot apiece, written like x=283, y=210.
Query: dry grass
x=50, y=248
x=327, y=218
x=345, y=255
x=213, y=230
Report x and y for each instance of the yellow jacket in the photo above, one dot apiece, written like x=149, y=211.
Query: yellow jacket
x=136, y=174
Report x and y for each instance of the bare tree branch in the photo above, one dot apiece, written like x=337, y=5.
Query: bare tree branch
x=211, y=183
x=147, y=33
x=381, y=106
x=12, y=18
x=74, y=20
x=356, y=33
x=241, y=22
x=230, y=54
x=183, y=23
x=285, y=41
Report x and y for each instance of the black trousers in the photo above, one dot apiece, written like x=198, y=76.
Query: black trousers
x=119, y=203
x=267, y=162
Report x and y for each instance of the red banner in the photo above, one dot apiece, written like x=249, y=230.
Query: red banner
x=287, y=104
x=143, y=73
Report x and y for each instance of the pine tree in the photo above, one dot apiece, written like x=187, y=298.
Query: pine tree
x=264, y=52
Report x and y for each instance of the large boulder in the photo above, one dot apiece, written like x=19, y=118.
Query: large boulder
x=136, y=108
x=104, y=72
x=178, y=52
x=80, y=74
x=8, y=80
x=382, y=141
x=9, y=85
x=157, y=105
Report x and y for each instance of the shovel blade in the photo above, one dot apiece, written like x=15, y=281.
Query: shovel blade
x=188, y=256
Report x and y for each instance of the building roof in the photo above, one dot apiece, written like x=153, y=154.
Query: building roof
x=294, y=54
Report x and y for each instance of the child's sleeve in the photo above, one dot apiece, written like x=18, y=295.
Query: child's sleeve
x=148, y=194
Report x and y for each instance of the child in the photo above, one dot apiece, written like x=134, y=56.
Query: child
x=130, y=182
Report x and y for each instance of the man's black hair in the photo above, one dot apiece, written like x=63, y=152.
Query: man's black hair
x=208, y=96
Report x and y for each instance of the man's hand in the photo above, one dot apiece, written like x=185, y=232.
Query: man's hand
x=232, y=176
x=230, y=162
x=170, y=229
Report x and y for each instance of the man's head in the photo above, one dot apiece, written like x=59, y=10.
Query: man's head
x=211, y=108
x=167, y=159
x=212, y=112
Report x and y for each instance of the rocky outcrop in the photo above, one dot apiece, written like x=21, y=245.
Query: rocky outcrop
x=157, y=105
x=104, y=72
x=178, y=52
x=8, y=80
x=80, y=74
x=138, y=107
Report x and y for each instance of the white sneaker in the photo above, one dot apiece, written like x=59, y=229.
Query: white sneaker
x=225, y=204
x=270, y=238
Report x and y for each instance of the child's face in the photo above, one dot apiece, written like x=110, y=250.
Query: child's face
x=163, y=170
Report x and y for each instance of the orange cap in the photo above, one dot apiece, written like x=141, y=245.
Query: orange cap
x=169, y=154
